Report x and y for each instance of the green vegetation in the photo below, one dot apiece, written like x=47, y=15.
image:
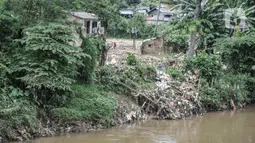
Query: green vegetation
x=209, y=66
x=174, y=72
x=131, y=60
x=219, y=86
x=46, y=77
x=43, y=76
x=16, y=111
x=128, y=79
x=122, y=27
x=92, y=47
x=88, y=103
x=177, y=35
x=229, y=87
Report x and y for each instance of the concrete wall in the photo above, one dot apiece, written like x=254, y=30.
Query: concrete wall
x=153, y=46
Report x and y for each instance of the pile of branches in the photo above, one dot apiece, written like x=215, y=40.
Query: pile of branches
x=171, y=99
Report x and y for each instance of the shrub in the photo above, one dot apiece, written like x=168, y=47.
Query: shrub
x=251, y=86
x=177, y=35
x=174, y=72
x=16, y=113
x=208, y=65
x=124, y=80
x=89, y=103
x=238, y=52
x=90, y=46
x=228, y=87
x=131, y=60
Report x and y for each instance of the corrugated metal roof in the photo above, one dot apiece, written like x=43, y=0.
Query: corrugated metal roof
x=144, y=8
x=85, y=15
x=162, y=10
x=126, y=12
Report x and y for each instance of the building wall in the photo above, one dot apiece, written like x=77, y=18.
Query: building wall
x=162, y=17
x=153, y=46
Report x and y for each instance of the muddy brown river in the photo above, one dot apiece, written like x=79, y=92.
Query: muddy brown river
x=222, y=127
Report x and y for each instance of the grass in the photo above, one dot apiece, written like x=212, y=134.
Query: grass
x=89, y=103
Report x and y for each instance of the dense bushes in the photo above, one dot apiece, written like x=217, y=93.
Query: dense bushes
x=92, y=47
x=125, y=80
x=219, y=87
x=16, y=112
x=208, y=65
x=176, y=35
x=89, y=103
x=238, y=52
x=226, y=89
x=38, y=66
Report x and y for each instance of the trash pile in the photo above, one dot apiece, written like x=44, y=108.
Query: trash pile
x=171, y=99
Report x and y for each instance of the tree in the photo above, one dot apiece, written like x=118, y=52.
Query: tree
x=46, y=63
x=7, y=30
x=209, y=26
x=192, y=41
x=31, y=12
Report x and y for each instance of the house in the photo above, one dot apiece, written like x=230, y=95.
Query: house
x=89, y=21
x=161, y=15
x=143, y=10
x=128, y=12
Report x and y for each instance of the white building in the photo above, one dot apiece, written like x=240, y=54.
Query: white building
x=161, y=14
x=89, y=21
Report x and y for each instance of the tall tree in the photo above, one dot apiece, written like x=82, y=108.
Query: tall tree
x=192, y=42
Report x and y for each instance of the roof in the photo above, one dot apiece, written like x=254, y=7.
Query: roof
x=162, y=10
x=147, y=8
x=85, y=15
x=126, y=12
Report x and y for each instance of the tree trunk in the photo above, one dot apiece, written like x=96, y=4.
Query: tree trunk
x=156, y=29
x=192, y=41
x=105, y=48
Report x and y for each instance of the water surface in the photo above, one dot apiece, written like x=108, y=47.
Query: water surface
x=221, y=127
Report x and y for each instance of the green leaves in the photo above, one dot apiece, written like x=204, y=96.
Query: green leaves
x=238, y=52
x=92, y=47
x=47, y=60
x=131, y=60
x=226, y=88
x=89, y=103
x=31, y=12
x=209, y=66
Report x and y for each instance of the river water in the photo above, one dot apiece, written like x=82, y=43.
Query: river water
x=221, y=127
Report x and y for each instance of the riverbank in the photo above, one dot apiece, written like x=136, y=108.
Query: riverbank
x=151, y=95
x=137, y=87
x=228, y=126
